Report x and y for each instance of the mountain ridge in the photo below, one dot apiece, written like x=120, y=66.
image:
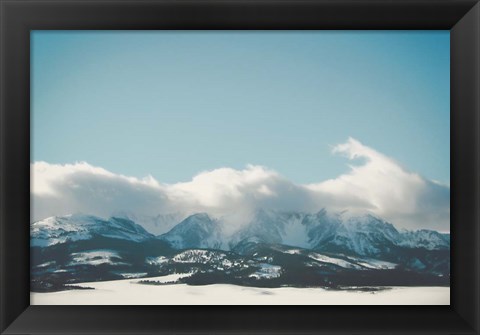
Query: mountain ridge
x=364, y=235
x=331, y=250
x=73, y=227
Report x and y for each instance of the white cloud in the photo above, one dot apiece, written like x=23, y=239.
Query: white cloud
x=378, y=185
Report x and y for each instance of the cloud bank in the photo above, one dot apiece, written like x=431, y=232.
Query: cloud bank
x=377, y=185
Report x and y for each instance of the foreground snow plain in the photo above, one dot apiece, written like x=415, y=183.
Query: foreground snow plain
x=131, y=292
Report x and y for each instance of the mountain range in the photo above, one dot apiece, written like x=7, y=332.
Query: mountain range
x=364, y=235
x=272, y=248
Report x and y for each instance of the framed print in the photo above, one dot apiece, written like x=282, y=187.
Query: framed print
x=197, y=230
x=251, y=166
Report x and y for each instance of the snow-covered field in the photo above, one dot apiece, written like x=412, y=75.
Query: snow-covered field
x=130, y=292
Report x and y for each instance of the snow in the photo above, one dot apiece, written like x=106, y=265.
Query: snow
x=375, y=264
x=361, y=234
x=331, y=260
x=267, y=271
x=196, y=231
x=76, y=227
x=214, y=258
x=95, y=257
x=43, y=265
x=168, y=278
x=157, y=224
x=424, y=238
x=156, y=260
x=194, y=256
x=130, y=275
x=129, y=292
x=55, y=230
x=293, y=252
x=348, y=262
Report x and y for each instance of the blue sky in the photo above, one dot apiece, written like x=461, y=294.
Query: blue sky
x=172, y=104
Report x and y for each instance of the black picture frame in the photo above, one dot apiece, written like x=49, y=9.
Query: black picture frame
x=19, y=17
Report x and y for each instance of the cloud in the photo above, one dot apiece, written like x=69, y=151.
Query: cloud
x=377, y=185
x=80, y=187
x=383, y=187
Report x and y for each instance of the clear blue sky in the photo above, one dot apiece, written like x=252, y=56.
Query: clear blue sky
x=174, y=103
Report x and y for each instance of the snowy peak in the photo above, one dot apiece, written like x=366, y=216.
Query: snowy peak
x=196, y=231
x=273, y=227
x=427, y=239
x=155, y=224
x=368, y=235
x=364, y=235
x=61, y=229
x=321, y=227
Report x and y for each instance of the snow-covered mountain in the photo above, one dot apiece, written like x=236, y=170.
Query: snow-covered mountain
x=61, y=229
x=154, y=224
x=364, y=235
x=198, y=231
x=428, y=239
x=273, y=227
x=272, y=248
